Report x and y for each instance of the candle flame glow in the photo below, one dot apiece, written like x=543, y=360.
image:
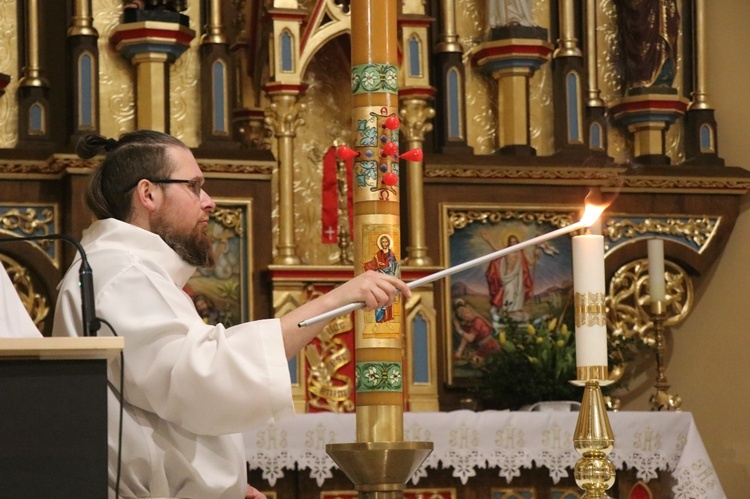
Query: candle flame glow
x=595, y=206
x=591, y=214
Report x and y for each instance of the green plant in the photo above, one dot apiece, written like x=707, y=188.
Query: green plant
x=536, y=362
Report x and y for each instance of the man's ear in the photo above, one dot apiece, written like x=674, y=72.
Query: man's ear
x=146, y=195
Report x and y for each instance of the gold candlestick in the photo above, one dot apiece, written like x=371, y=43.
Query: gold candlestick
x=593, y=437
x=594, y=440
x=662, y=399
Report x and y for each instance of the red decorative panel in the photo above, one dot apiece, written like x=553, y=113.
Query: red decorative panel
x=329, y=368
x=640, y=491
x=438, y=493
x=339, y=494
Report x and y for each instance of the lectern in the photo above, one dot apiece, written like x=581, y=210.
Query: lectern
x=53, y=416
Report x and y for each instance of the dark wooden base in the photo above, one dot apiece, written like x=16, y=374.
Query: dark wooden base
x=53, y=428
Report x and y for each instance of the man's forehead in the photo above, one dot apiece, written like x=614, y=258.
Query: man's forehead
x=185, y=164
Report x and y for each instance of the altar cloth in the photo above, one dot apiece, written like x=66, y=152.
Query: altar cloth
x=465, y=441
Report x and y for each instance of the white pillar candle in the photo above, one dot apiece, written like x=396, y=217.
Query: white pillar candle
x=656, y=284
x=590, y=309
x=596, y=227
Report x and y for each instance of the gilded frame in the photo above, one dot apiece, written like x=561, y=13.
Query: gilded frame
x=224, y=292
x=33, y=219
x=466, y=229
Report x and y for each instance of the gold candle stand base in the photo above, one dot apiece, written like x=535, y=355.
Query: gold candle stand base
x=662, y=400
x=594, y=440
x=379, y=470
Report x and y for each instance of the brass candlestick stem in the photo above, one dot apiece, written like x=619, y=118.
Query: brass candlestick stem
x=662, y=399
x=594, y=440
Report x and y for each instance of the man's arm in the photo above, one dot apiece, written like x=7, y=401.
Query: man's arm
x=375, y=289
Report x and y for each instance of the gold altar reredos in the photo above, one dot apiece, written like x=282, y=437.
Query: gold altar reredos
x=520, y=119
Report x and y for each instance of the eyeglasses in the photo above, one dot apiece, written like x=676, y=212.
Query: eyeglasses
x=193, y=184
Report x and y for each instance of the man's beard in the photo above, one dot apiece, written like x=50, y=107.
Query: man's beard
x=194, y=247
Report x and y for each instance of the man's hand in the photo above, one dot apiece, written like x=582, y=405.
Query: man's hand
x=374, y=289
x=253, y=493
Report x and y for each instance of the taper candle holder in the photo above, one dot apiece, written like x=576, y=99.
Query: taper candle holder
x=661, y=400
x=593, y=440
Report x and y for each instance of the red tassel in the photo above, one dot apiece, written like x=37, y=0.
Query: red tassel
x=346, y=152
x=413, y=155
x=330, y=199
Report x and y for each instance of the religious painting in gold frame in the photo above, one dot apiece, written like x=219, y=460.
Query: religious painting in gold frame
x=222, y=294
x=477, y=304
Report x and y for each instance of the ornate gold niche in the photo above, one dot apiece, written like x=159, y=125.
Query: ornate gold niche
x=34, y=301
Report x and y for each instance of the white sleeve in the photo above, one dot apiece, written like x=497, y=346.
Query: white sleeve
x=206, y=379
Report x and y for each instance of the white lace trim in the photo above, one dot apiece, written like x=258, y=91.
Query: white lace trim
x=465, y=441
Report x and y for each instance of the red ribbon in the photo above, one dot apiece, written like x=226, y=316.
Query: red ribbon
x=330, y=197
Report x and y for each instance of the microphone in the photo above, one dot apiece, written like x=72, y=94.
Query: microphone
x=85, y=280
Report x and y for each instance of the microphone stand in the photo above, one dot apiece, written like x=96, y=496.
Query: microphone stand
x=86, y=280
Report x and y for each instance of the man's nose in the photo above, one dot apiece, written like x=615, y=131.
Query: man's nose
x=207, y=202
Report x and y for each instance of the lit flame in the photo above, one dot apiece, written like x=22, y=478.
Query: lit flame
x=595, y=206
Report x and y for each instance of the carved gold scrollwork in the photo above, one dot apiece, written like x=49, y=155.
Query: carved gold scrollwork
x=628, y=300
x=460, y=219
x=35, y=303
x=696, y=230
x=284, y=115
x=230, y=218
x=27, y=221
x=328, y=388
x=416, y=116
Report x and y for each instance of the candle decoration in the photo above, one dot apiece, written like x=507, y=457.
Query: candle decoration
x=590, y=307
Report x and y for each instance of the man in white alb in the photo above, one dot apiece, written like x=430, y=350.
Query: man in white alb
x=190, y=388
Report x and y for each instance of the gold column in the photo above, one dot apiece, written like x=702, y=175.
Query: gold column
x=152, y=85
x=594, y=99
x=567, y=44
x=512, y=93
x=214, y=29
x=248, y=118
x=648, y=138
x=283, y=117
x=700, y=95
x=32, y=71
x=151, y=45
x=416, y=114
x=448, y=37
x=82, y=21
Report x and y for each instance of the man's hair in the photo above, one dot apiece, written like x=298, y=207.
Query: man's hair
x=137, y=155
